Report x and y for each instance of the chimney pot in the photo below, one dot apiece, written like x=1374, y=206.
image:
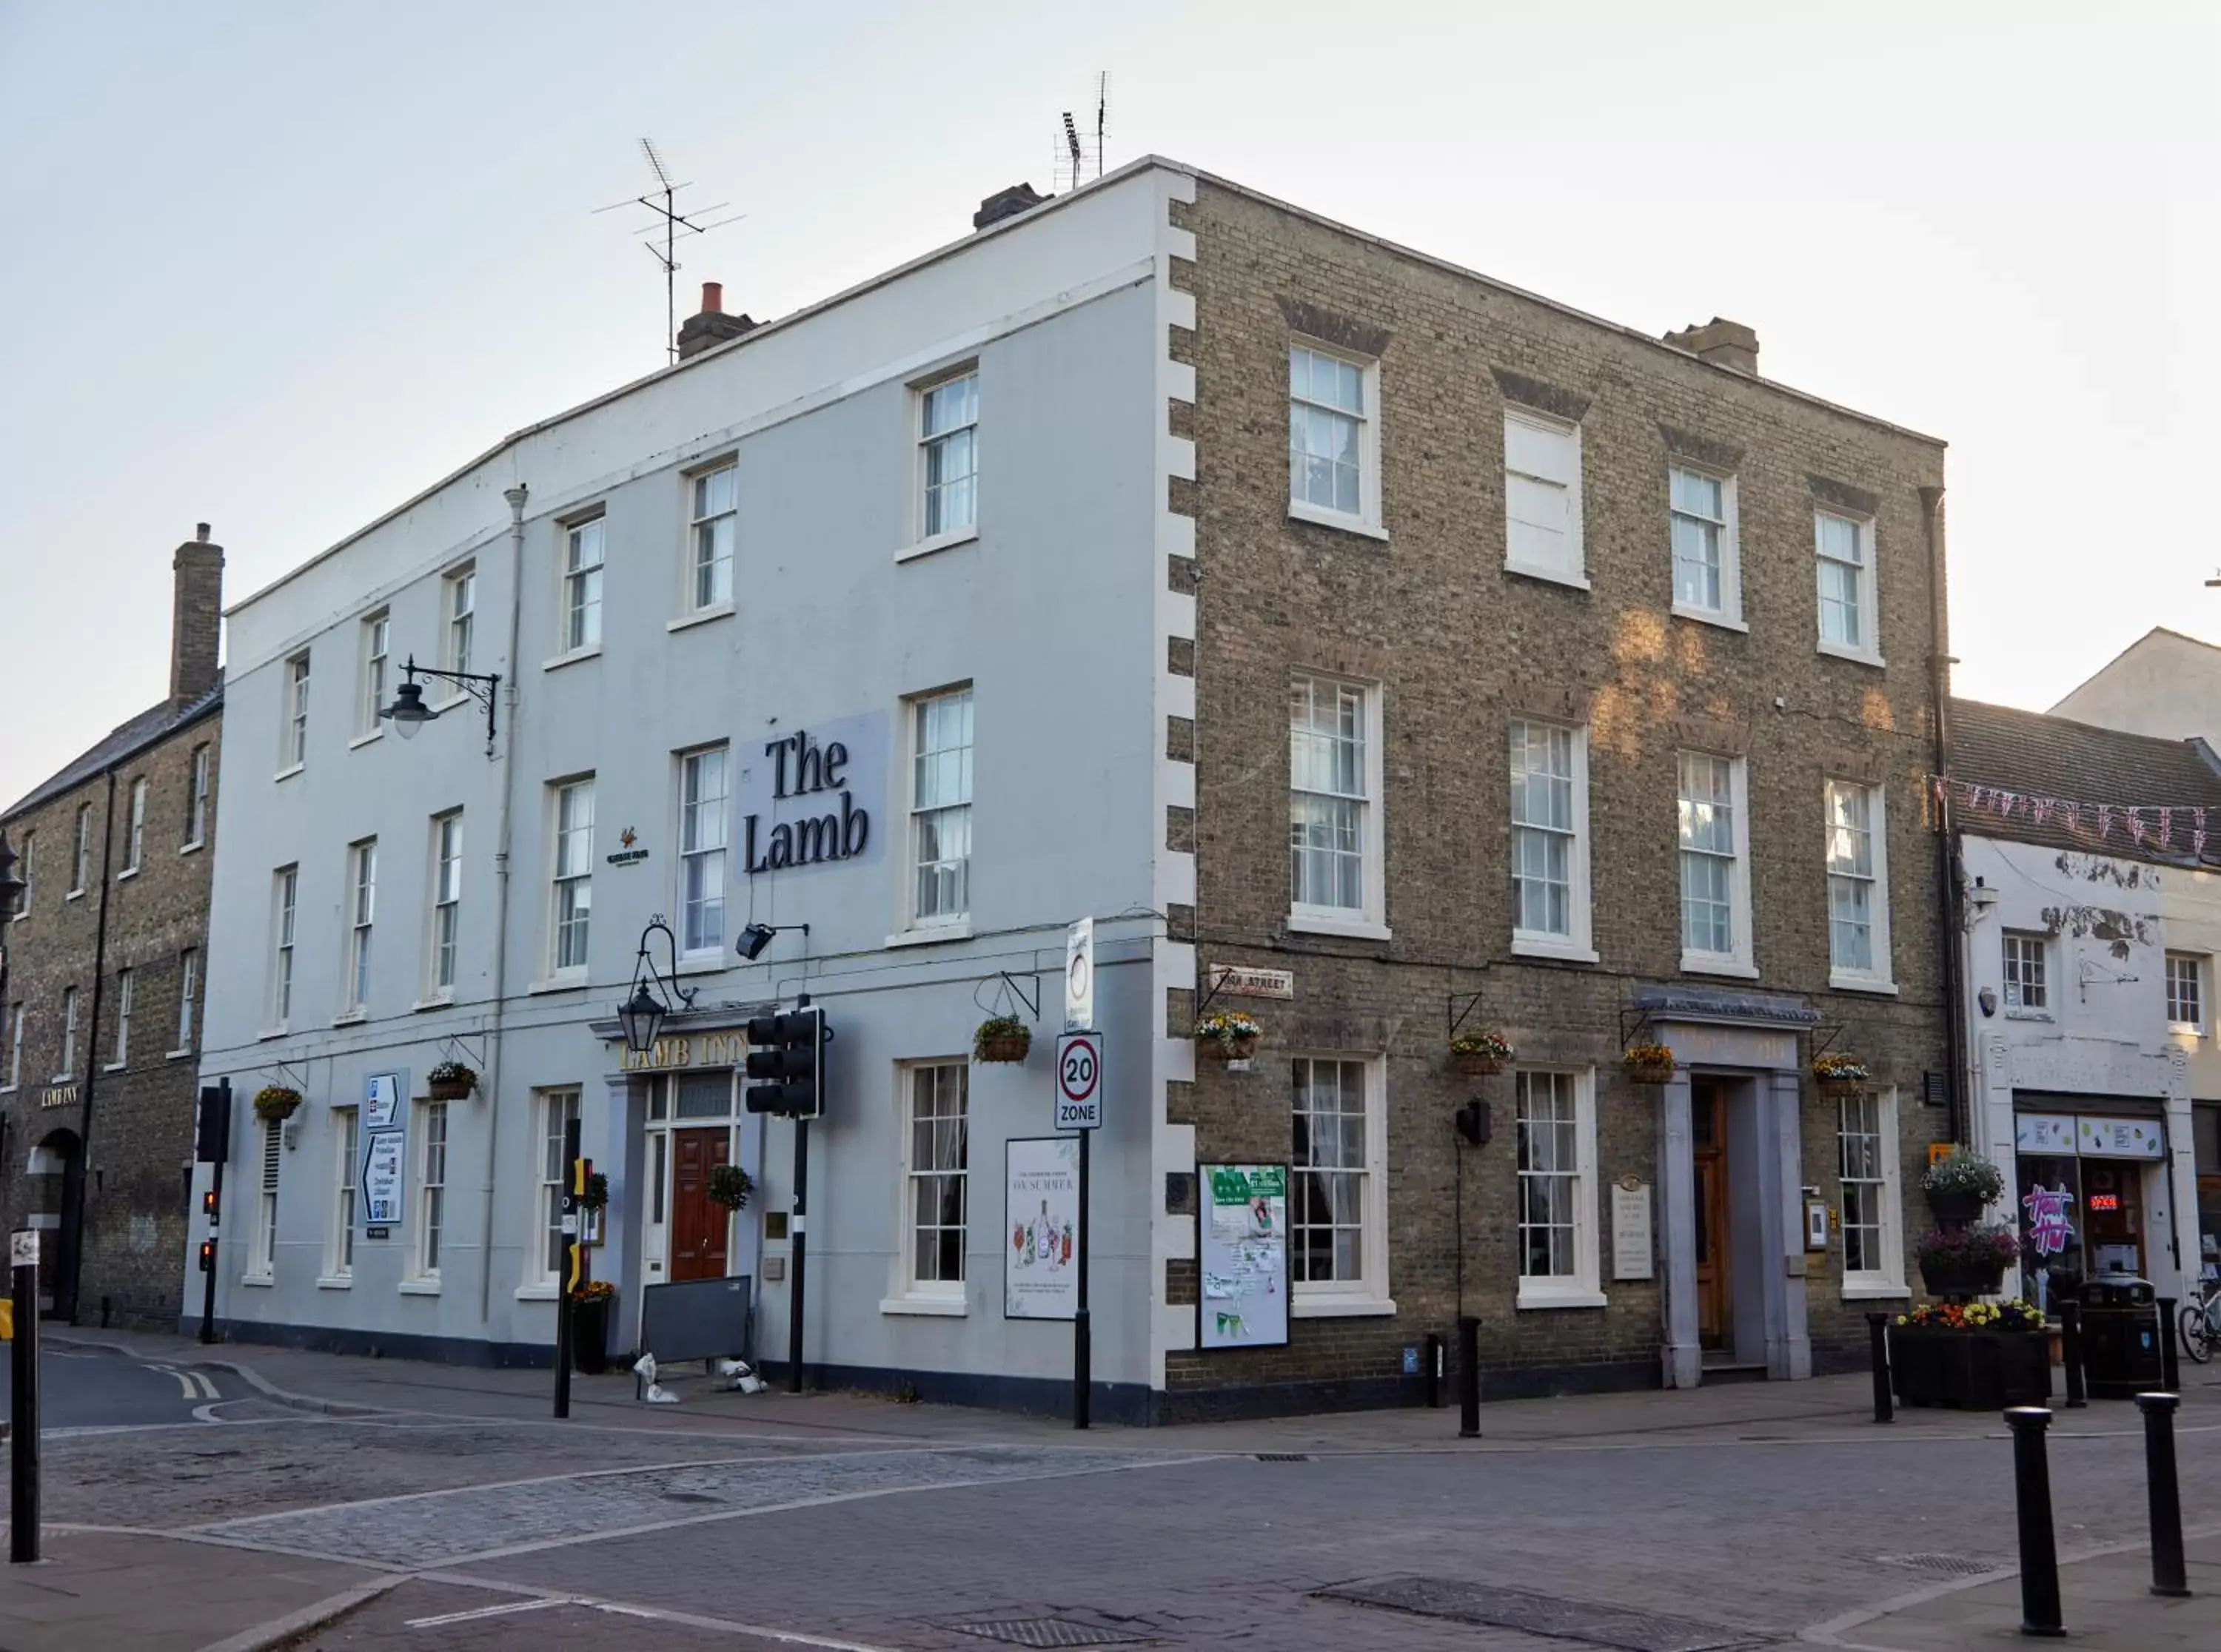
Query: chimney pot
x=710, y=326
x=713, y=298
x=1007, y=203
x=1722, y=343
x=201, y=532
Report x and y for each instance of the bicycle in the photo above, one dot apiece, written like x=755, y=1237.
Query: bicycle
x=2199, y=1325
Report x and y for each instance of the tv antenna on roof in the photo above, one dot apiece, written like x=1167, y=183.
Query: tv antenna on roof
x=1074, y=158
x=671, y=223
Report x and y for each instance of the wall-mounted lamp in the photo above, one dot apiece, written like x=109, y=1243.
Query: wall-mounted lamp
x=642, y=1015
x=1981, y=897
x=1987, y=998
x=409, y=713
x=756, y=936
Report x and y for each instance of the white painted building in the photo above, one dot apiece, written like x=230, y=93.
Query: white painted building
x=2090, y=944
x=925, y=521
x=2164, y=683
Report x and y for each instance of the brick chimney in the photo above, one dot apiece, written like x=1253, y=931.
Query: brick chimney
x=196, y=616
x=1007, y=203
x=1725, y=344
x=711, y=325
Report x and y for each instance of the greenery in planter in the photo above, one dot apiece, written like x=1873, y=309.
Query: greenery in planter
x=597, y=1192
x=1974, y=1316
x=1001, y=1038
x=451, y=1080
x=1838, y=1067
x=1487, y=1050
x=1229, y=1034
x=1963, y=1175
x=730, y=1186
x=1648, y=1063
x=276, y=1101
x=1970, y=1355
x=593, y=1290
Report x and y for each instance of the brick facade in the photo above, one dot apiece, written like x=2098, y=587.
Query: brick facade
x=1459, y=646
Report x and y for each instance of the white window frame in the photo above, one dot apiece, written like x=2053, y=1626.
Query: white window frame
x=443, y=917
x=135, y=831
x=912, y=1294
x=459, y=608
x=1573, y=568
x=1889, y=1279
x=924, y=537
x=285, y=931
x=14, y=1046
x=361, y=926
x=1369, y=919
x=1367, y=517
x=196, y=797
x=1867, y=650
x=69, y=1036
x=262, y=1247
x=1368, y=1291
x=188, y=982
x=696, y=602
x=377, y=645
x=1880, y=974
x=704, y=844
x=293, y=724
x=2192, y=966
x=1578, y=945
x=339, y=1233
x=126, y=989
x=559, y=882
x=1738, y=960
x=1582, y=1288
x=956, y=921
x=1730, y=611
x=580, y=590
x=81, y=864
x=430, y=1231
x=2037, y=948
x=551, y=1109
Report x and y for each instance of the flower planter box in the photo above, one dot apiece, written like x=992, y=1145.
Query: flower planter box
x=1954, y=1209
x=449, y=1089
x=1969, y=1370
x=590, y=1336
x=1841, y=1089
x=1659, y=1075
x=1226, y=1048
x=1475, y=1063
x=1958, y=1279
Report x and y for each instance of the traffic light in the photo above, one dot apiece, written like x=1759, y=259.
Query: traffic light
x=208, y=1255
x=787, y=1053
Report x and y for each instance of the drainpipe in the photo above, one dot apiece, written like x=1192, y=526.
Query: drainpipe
x=515, y=496
x=91, y=1066
x=1952, y=906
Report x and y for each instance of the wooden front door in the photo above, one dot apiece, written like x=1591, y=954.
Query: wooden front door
x=697, y=1226
x=1709, y=1137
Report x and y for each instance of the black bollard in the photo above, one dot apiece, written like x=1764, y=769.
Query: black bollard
x=2070, y=1353
x=23, y=1371
x=1878, y=1356
x=2170, y=1373
x=2169, y=1575
x=2039, y=1554
x=1468, y=1379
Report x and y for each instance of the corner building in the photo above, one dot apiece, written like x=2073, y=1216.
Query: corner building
x=1359, y=643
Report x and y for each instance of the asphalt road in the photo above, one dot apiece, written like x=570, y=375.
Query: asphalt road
x=85, y=1389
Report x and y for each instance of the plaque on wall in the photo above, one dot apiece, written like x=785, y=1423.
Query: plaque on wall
x=1631, y=1228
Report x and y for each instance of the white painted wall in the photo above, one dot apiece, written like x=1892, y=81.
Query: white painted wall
x=2164, y=683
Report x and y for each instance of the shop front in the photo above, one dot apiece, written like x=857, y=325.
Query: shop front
x=2092, y=1192
x=2205, y=1124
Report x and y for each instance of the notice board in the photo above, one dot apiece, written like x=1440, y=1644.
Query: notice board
x=1041, y=1209
x=1244, y=1247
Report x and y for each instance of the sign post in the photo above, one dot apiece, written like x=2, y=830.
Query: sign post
x=23, y=1456
x=1080, y=977
x=212, y=1148
x=574, y=1181
x=1079, y=1106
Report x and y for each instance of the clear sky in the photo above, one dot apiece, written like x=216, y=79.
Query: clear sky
x=278, y=266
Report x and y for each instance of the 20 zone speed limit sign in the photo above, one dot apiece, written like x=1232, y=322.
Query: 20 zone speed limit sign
x=1079, y=1080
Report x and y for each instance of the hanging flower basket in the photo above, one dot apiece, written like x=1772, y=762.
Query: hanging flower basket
x=1001, y=1038
x=1959, y=1185
x=1839, y=1074
x=1960, y=1263
x=274, y=1102
x=451, y=1080
x=1479, y=1054
x=1648, y=1063
x=1226, y=1035
x=730, y=1186
x=597, y=1196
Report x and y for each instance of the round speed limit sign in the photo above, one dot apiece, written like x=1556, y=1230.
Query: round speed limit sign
x=1079, y=1080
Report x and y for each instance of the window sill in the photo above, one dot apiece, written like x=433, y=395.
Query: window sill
x=1704, y=964
x=418, y=1287
x=1545, y=1297
x=351, y=1018
x=570, y=981
x=74, y=895
x=938, y=542
x=289, y=771
x=270, y=1033
x=700, y=617
x=439, y=1001
x=114, y=1066
x=947, y=1307
x=1540, y=947
x=1340, y=1307
x=1547, y=576
x=332, y=1282
x=194, y=847
x=2028, y=1015
x=1875, y=1291
x=1857, y=656
x=8, y=1089
x=370, y=739
x=1702, y=616
x=592, y=651
x=1861, y=984
x=537, y=1294
x=127, y=874
x=1299, y=512
x=177, y=1054
x=260, y=1281
x=2186, y=1030
x=704, y=964
x=62, y=1078
x=1356, y=929
x=928, y=935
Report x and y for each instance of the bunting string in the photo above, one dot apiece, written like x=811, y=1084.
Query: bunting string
x=2168, y=828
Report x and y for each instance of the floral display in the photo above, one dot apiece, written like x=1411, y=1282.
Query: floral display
x=1839, y=1067
x=1229, y=1026
x=1963, y=1173
x=1974, y=1316
x=1493, y=1045
x=593, y=1290
x=1993, y=1245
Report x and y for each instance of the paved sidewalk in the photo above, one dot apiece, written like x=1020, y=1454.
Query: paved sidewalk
x=2106, y=1601
x=96, y=1589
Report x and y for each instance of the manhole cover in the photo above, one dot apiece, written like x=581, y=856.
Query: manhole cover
x=1541, y=1614
x=1949, y=1565
x=1048, y=1631
x=1282, y=1456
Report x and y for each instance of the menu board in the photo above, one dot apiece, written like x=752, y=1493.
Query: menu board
x=1041, y=1212
x=1243, y=1251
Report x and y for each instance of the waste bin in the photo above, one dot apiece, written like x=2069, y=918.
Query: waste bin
x=2120, y=1337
